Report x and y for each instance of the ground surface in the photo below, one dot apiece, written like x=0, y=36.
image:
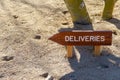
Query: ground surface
x=27, y=54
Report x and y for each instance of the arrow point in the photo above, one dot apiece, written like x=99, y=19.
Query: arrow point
x=50, y=38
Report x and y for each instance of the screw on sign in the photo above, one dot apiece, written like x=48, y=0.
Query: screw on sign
x=83, y=38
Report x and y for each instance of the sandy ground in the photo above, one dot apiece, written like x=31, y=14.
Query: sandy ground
x=27, y=54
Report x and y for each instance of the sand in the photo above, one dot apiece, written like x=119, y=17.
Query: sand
x=27, y=54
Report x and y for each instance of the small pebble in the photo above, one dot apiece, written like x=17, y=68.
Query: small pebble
x=44, y=75
x=114, y=32
x=65, y=12
x=104, y=66
x=65, y=23
x=7, y=58
x=15, y=16
x=37, y=37
x=1, y=76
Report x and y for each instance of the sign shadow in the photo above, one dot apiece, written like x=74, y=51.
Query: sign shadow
x=77, y=26
x=88, y=67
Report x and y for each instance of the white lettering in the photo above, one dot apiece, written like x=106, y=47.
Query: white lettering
x=75, y=39
x=97, y=38
x=102, y=38
x=84, y=38
x=71, y=38
x=87, y=38
x=91, y=38
x=66, y=38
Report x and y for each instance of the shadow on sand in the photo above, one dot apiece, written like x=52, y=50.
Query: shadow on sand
x=105, y=67
x=115, y=21
x=88, y=67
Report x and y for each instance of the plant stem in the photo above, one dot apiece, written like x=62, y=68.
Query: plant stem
x=78, y=11
x=108, y=9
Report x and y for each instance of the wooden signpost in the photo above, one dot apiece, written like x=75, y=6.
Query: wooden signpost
x=83, y=38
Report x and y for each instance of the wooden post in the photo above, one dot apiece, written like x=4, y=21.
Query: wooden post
x=78, y=11
x=108, y=9
x=97, y=50
x=69, y=51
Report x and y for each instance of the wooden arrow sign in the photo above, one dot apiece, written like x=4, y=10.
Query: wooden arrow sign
x=86, y=37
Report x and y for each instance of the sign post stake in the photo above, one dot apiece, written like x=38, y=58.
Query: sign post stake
x=97, y=50
x=69, y=51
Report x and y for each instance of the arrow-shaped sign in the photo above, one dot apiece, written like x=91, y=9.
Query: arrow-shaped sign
x=86, y=37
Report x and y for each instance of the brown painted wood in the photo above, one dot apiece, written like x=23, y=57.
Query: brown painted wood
x=86, y=37
x=69, y=51
x=97, y=50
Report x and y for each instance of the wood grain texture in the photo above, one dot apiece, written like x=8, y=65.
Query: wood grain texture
x=69, y=51
x=97, y=50
x=75, y=38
